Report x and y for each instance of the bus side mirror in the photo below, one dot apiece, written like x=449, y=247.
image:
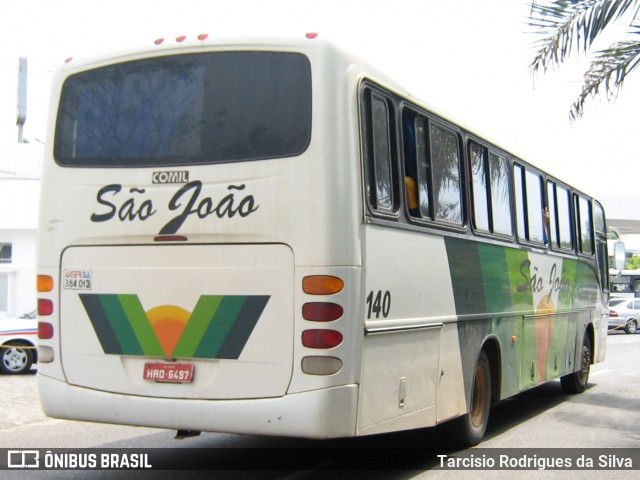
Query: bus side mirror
x=619, y=255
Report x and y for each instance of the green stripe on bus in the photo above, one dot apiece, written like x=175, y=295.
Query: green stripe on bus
x=493, y=263
x=121, y=326
x=198, y=324
x=566, y=295
x=518, y=277
x=101, y=323
x=243, y=326
x=219, y=327
x=140, y=323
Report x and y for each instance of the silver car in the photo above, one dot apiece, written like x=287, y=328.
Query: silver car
x=624, y=313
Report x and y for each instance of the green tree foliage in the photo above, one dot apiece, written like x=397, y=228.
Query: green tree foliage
x=633, y=262
x=567, y=26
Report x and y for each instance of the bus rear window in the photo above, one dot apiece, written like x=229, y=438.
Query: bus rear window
x=186, y=109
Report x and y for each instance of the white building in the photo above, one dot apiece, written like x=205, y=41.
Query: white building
x=19, y=195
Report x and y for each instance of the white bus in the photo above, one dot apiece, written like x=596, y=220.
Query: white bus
x=270, y=237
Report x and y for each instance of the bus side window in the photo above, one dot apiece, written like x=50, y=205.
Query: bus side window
x=445, y=163
x=424, y=170
x=532, y=213
x=478, y=157
x=379, y=141
x=410, y=163
x=584, y=224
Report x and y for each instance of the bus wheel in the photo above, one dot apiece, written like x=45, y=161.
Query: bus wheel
x=576, y=382
x=469, y=429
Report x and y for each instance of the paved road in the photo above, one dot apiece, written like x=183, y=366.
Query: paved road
x=604, y=416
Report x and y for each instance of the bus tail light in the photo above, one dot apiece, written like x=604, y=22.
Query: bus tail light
x=321, y=311
x=45, y=307
x=45, y=330
x=321, y=338
x=322, y=285
x=321, y=365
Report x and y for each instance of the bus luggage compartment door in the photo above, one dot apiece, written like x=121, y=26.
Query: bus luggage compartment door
x=196, y=321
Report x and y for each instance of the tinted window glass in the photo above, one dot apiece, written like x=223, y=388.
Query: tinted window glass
x=423, y=167
x=585, y=225
x=500, y=194
x=599, y=218
x=564, y=217
x=478, y=159
x=535, y=208
x=186, y=109
x=381, y=154
x=521, y=205
x=445, y=159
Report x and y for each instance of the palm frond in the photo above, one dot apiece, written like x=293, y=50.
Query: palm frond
x=569, y=25
x=608, y=70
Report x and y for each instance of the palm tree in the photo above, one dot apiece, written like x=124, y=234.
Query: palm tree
x=570, y=25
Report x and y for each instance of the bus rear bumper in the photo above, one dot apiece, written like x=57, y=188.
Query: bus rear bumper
x=326, y=413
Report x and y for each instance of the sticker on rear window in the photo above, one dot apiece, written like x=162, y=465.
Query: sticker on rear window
x=76, y=280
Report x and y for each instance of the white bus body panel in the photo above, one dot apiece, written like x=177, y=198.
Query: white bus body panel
x=326, y=413
x=163, y=279
x=403, y=383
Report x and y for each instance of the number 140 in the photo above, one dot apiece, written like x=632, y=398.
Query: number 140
x=378, y=303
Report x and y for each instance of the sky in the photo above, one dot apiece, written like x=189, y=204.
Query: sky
x=471, y=58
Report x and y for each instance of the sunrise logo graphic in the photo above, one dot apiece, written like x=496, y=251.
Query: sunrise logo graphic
x=218, y=327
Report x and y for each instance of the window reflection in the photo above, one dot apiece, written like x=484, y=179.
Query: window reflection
x=445, y=158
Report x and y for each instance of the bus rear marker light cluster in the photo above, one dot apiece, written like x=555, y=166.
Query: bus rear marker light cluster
x=44, y=284
x=321, y=338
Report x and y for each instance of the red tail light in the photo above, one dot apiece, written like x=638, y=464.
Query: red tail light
x=321, y=311
x=45, y=330
x=613, y=313
x=45, y=307
x=321, y=338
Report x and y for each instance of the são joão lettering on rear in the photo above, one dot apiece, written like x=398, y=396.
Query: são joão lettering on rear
x=188, y=201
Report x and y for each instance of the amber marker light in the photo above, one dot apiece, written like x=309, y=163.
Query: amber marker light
x=322, y=285
x=44, y=283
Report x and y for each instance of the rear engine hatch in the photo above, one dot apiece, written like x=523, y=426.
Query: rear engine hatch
x=219, y=315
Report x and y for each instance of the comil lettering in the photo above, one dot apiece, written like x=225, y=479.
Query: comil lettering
x=170, y=177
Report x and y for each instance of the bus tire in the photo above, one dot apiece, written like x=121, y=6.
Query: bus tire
x=576, y=382
x=468, y=430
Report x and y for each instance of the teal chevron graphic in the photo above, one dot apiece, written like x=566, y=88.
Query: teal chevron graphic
x=218, y=327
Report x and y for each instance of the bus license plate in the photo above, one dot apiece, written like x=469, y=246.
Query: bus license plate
x=168, y=372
